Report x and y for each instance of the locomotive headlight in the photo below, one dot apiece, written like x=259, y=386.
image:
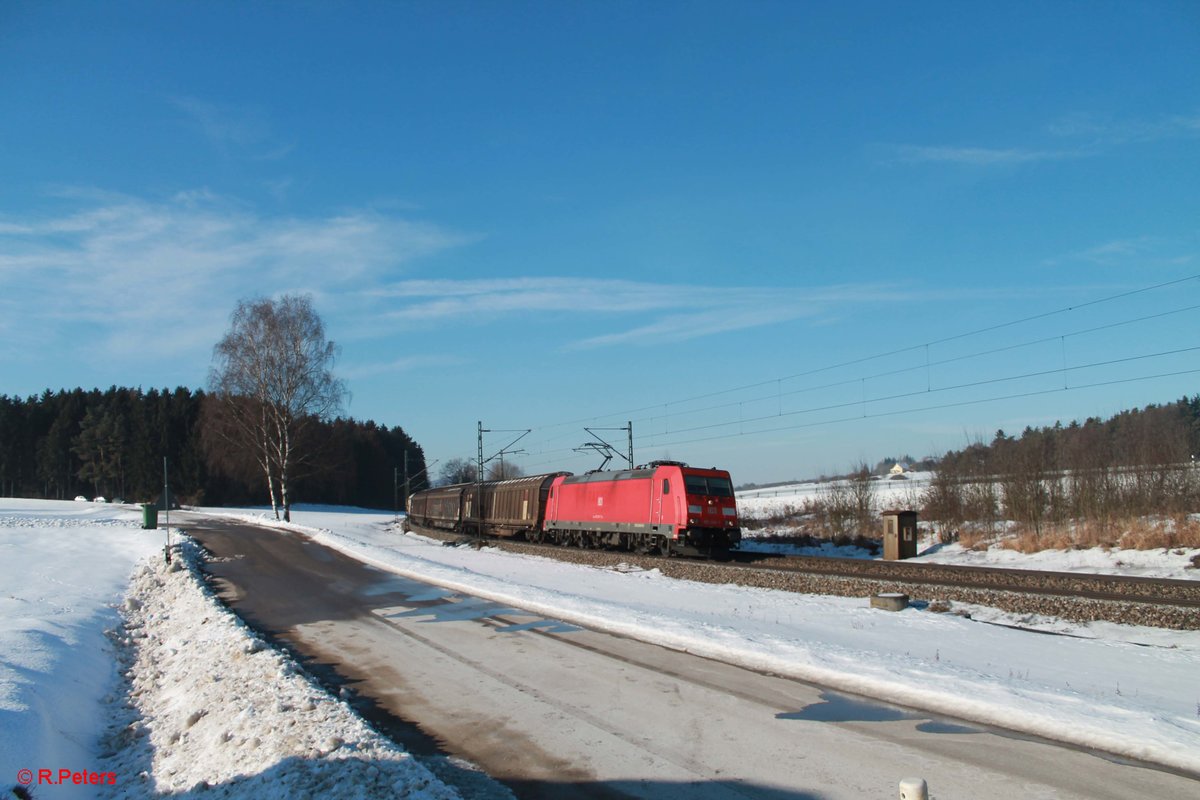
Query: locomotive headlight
x=694, y=510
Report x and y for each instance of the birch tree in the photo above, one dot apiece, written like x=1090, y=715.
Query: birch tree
x=272, y=376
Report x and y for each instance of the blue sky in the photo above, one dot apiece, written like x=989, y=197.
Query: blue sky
x=760, y=231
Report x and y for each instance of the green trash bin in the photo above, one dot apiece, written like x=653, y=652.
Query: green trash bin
x=149, y=516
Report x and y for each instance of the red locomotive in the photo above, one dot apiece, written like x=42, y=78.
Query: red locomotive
x=664, y=507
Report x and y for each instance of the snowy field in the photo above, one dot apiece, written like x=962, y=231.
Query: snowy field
x=211, y=708
x=889, y=492
x=62, y=565
x=895, y=494
x=1128, y=691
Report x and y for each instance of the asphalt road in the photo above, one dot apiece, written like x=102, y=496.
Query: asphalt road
x=550, y=710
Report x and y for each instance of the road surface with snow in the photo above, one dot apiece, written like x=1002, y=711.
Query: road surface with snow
x=181, y=695
x=556, y=710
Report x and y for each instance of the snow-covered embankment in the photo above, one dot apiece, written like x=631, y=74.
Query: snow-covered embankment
x=212, y=707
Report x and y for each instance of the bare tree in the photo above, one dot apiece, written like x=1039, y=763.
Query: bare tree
x=1028, y=478
x=836, y=503
x=503, y=470
x=862, y=497
x=272, y=374
x=457, y=470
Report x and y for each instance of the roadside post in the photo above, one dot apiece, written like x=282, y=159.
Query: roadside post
x=167, y=511
x=914, y=789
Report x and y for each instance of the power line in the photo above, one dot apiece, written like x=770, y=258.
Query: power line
x=956, y=387
x=881, y=399
x=939, y=407
x=887, y=354
x=926, y=364
x=921, y=409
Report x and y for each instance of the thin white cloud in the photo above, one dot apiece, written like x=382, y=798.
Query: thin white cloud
x=977, y=156
x=1146, y=251
x=438, y=299
x=1117, y=250
x=245, y=130
x=721, y=310
x=125, y=264
x=660, y=312
x=400, y=365
x=225, y=124
x=136, y=277
x=1112, y=132
x=1094, y=135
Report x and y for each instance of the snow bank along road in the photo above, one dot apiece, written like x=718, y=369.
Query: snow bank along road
x=555, y=710
x=200, y=706
x=212, y=711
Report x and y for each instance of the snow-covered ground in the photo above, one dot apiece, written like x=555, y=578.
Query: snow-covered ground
x=1127, y=690
x=215, y=709
x=62, y=565
x=181, y=697
x=1130, y=691
x=1175, y=563
x=888, y=491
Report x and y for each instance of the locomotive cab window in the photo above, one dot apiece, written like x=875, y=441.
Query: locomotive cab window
x=711, y=486
x=666, y=485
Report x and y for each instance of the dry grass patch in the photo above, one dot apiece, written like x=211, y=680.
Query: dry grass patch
x=1172, y=532
x=1133, y=534
x=976, y=537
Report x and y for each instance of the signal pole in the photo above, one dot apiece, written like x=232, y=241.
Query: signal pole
x=167, y=510
x=480, y=462
x=406, y=486
x=629, y=426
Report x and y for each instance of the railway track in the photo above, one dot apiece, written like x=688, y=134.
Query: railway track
x=1074, y=596
x=1089, y=585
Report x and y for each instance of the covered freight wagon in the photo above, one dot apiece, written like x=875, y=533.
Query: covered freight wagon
x=437, y=508
x=507, y=508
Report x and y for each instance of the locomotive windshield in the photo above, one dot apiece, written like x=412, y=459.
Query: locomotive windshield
x=711, y=486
